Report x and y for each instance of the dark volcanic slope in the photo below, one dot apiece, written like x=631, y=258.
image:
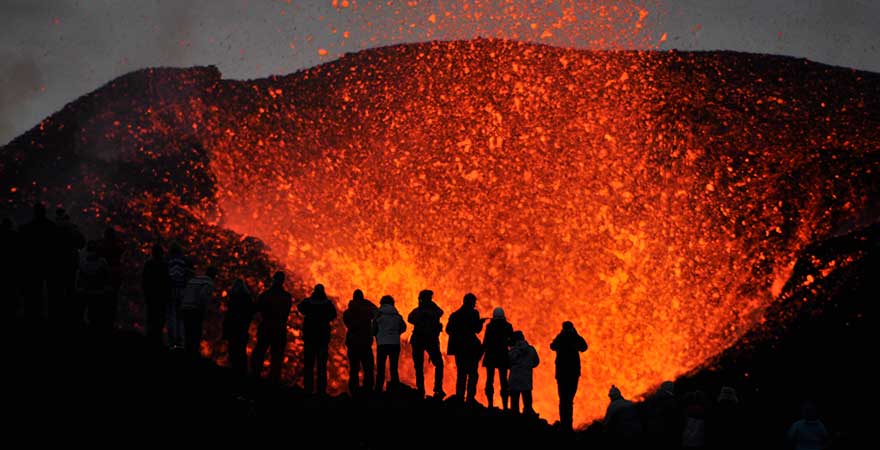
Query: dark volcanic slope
x=659, y=200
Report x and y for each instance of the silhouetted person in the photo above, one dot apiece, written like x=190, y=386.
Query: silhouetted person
x=425, y=337
x=388, y=326
x=568, y=346
x=496, y=343
x=274, y=306
x=64, y=308
x=94, y=288
x=10, y=271
x=110, y=248
x=724, y=428
x=240, y=310
x=180, y=270
x=318, y=312
x=622, y=421
x=662, y=418
x=523, y=360
x=358, y=319
x=38, y=236
x=693, y=435
x=198, y=293
x=464, y=344
x=808, y=433
x=156, y=285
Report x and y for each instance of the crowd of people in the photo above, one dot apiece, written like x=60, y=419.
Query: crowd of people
x=71, y=289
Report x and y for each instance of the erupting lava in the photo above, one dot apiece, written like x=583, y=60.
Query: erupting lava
x=657, y=200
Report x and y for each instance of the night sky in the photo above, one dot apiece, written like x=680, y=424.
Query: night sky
x=53, y=51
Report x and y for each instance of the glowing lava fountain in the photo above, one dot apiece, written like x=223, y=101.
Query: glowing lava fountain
x=657, y=200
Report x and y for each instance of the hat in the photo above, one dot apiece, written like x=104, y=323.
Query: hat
x=728, y=394
x=498, y=313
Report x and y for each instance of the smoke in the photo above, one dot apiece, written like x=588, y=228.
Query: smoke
x=20, y=81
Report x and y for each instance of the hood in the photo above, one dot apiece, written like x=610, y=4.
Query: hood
x=388, y=309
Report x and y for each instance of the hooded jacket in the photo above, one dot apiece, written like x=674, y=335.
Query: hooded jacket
x=358, y=319
x=523, y=359
x=318, y=312
x=496, y=341
x=426, y=324
x=568, y=345
x=388, y=325
x=198, y=293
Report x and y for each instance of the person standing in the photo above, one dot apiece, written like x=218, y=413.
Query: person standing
x=156, y=286
x=523, y=360
x=318, y=311
x=387, y=327
x=274, y=306
x=358, y=319
x=496, y=343
x=236, y=323
x=198, y=293
x=425, y=338
x=464, y=344
x=180, y=270
x=568, y=346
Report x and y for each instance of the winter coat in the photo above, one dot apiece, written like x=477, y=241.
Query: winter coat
x=523, y=359
x=808, y=435
x=496, y=343
x=568, y=345
x=463, y=326
x=318, y=312
x=156, y=282
x=180, y=271
x=94, y=276
x=274, y=305
x=426, y=324
x=199, y=291
x=622, y=419
x=388, y=326
x=358, y=319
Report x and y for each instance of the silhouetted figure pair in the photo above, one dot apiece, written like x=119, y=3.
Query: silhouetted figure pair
x=387, y=327
x=240, y=311
x=622, y=421
x=180, y=270
x=358, y=319
x=156, y=286
x=198, y=294
x=318, y=312
x=568, y=345
x=425, y=338
x=496, y=343
x=94, y=287
x=38, y=237
x=465, y=346
x=523, y=360
x=274, y=306
x=662, y=418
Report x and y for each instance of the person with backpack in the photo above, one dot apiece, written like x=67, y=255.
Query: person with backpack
x=523, y=360
x=387, y=327
x=198, y=293
x=425, y=338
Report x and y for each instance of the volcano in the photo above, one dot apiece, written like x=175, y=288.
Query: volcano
x=659, y=200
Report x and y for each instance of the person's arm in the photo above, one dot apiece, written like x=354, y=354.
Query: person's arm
x=555, y=344
x=582, y=344
x=401, y=325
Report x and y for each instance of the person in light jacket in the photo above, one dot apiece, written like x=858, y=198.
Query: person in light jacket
x=198, y=293
x=523, y=360
x=387, y=327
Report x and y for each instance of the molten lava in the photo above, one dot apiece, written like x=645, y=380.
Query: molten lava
x=657, y=200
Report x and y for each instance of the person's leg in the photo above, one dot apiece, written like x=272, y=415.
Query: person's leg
x=259, y=354
x=472, y=377
x=323, y=355
x=309, y=367
x=394, y=354
x=527, y=402
x=191, y=331
x=369, y=368
x=505, y=388
x=461, y=368
x=490, y=386
x=514, y=401
x=418, y=356
x=276, y=364
x=381, y=355
x=354, y=364
x=437, y=361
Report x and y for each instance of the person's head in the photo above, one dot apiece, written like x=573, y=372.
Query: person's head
x=39, y=210
x=239, y=286
x=278, y=278
x=667, y=387
x=809, y=410
x=470, y=300
x=498, y=313
x=175, y=249
x=357, y=295
x=92, y=248
x=211, y=272
x=61, y=215
x=567, y=326
x=426, y=296
x=158, y=251
x=728, y=395
x=318, y=292
x=518, y=336
x=614, y=393
x=386, y=300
